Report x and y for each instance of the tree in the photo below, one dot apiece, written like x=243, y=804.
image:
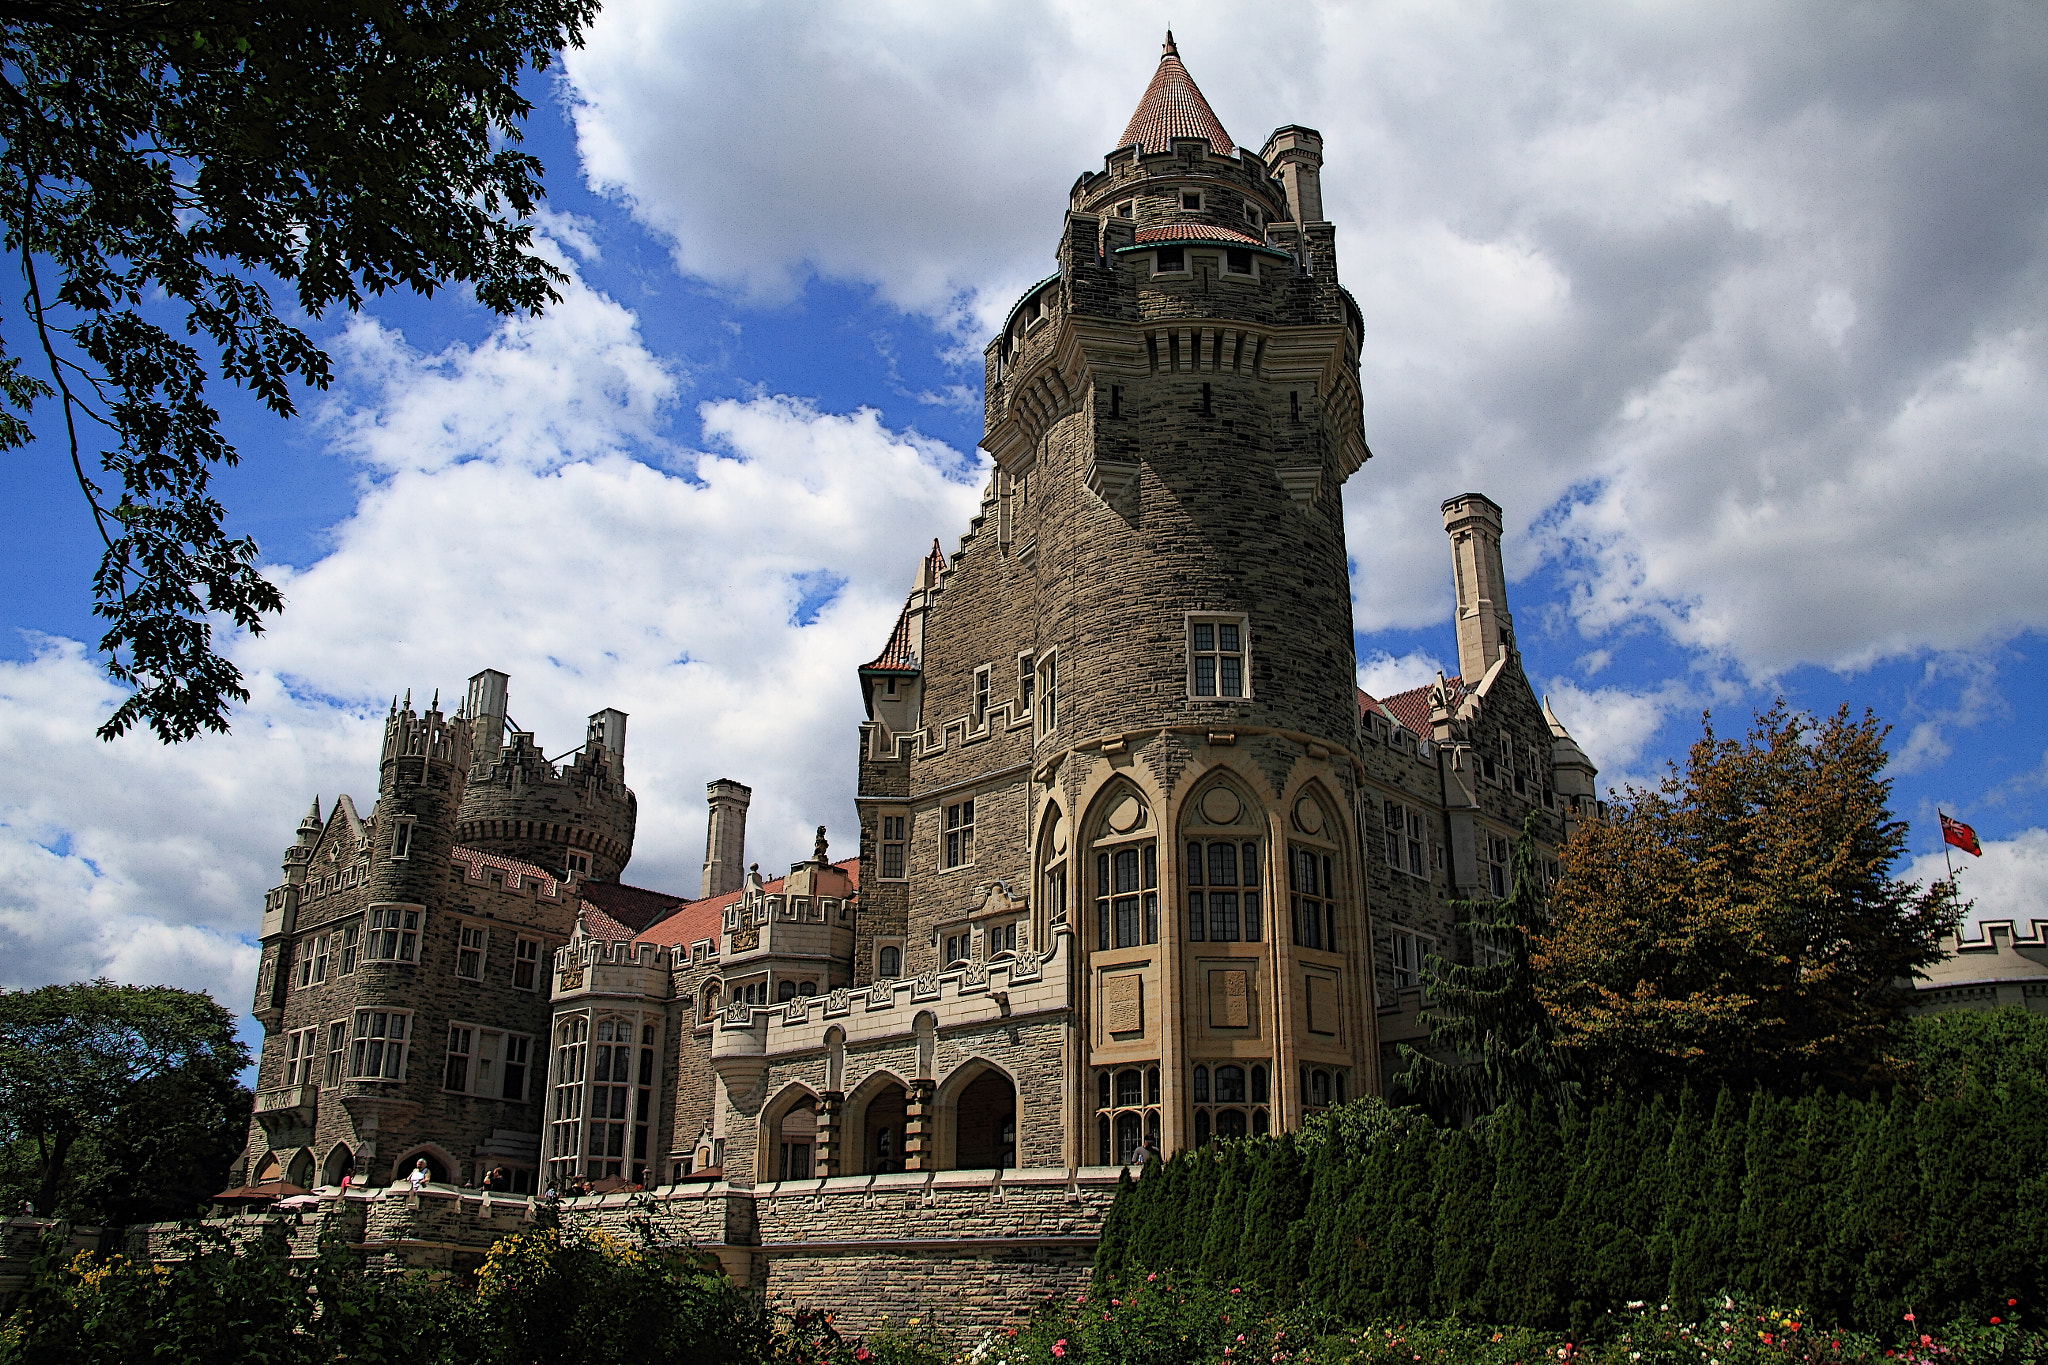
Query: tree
x=1740, y=924
x=165, y=159
x=1499, y=1041
x=112, y=1065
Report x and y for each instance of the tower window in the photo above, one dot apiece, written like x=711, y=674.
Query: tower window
x=1314, y=899
x=960, y=834
x=892, y=846
x=1191, y=199
x=579, y=864
x=1126, y=209
x=469, y=952
x=1116, y=400
x=394, y=933
x=1048, y=694
x=1216, y=657
x=526, y=963
x=1237, y=260
x=379, y=1050
x=1205, y=399
x=1294, y=404
x=1127, y=896
x=1171, y=260
x=401, y=840
x=1223, y=894
x=980, y=697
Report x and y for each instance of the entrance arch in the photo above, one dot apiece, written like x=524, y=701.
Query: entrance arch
x=985, y=1123
x=877, y=1112
x=340, y=1162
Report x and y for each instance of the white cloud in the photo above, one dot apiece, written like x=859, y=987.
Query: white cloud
x=503, y=523
x=1736, y=312
x=2010, y=882
x=1382, y=674
x=1614, y=725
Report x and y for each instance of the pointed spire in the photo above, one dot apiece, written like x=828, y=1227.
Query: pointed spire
x=313, y=815
x=1173, y=107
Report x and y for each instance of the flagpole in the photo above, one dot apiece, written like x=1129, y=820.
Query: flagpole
x=1946, y=856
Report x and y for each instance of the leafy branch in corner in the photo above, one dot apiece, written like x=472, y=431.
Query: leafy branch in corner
x=170, y=157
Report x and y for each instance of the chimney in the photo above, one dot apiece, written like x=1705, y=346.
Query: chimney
x=725, y=837
x=486, y=709
x=1485, y=630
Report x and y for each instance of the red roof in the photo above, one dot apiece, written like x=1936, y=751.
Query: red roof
x=1180, y=232
x=1411, y=708
x=599, y=925
x=896, y=656
x=937, y=560
x=635, y=907
x=1173, y=107
x=701, y=919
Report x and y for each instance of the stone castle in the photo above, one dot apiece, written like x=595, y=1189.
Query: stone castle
x=1139, y=864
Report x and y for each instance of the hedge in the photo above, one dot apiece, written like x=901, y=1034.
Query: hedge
x=1860, y=1210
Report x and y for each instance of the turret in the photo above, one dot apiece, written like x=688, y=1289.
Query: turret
x=1485, y=630
x=420, y=781
x=576, y=818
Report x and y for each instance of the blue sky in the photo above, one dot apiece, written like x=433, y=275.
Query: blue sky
x=1738, y=314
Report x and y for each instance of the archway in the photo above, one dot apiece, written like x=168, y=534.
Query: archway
x=340, y=1162
x=438, y=1169
x=882, y=1121
x=797, y=1142
x=300, y=1172
x=268, y=1169
x=985, y=1123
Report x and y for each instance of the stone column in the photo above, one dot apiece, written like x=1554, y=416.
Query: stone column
x=920, y=1129
x=831, y=1114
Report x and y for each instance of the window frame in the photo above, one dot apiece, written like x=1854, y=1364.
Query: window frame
x=1183, y=195
x=1048, y=713
x=1244, y=915
x=956, y=834
x=463, y=948
x=1312, y=907
x=301, y=1050
x=895, y=840
x=1216, y=622
x=405, y=933
x=978, y=697
x=401, y=838
x=381, y=1045
x=1159, y=261
x=531, y=961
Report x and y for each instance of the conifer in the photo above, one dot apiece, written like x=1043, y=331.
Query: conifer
x=1461, y=1189
x=1500, y=1041
x=1526, y=1276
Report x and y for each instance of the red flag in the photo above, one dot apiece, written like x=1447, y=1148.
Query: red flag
x=1961, y=835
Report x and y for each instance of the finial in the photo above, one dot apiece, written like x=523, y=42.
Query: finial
x=437, y=700
x=408, y=699
x=1167, y=49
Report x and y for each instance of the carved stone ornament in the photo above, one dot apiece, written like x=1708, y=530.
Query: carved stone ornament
x=975, y=975
x=739, y=1012
x=797, y=1010
x=881, y=995
x=838, y=1001
x=926, y=986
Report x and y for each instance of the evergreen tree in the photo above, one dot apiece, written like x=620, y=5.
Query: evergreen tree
x=1501, y=1044
x=1461, y=1189
x=1887, y=1214
x=1527, y=1276
x=1610, y=1261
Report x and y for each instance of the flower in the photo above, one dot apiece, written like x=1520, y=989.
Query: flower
x=2012, y=1303
x=862, y=1353
x=1994, y=1319
x=1911, y=1318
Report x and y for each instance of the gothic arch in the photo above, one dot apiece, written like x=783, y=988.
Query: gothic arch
x=1117, y=883
x=300, y=1172
x=340, y=1161
x=977, y=1112
x=792, y=1099
x=442, y=1168
x=1053, y=898
x=880, y=1101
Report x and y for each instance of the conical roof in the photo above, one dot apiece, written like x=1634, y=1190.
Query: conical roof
x=1173, y=107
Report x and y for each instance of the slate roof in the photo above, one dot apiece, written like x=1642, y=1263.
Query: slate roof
x=1173, y=107
x=634, y=907
x=1180, y=232
x=1411, y=708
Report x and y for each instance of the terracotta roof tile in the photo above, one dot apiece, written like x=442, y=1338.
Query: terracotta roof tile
x=600, y=925
x=896, y=656
x=1411, y=708
x=633, y=906
x=1180, y=232
x=937, y=560
x=1173, y=107
x=702, y=919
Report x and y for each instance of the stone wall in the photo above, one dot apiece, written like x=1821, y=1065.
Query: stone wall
x=968, y=1250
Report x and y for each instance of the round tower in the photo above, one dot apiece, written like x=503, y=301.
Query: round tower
x=420, y=782
x=573, y=818
x=1182, y=404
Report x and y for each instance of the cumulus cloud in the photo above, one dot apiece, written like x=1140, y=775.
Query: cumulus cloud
x=2010, y=882
x=1735, y=311
x=1382, y=674
x=527, y=504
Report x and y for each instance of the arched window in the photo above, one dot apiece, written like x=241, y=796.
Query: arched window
x=1230, y=1099
x=1223, y=891
x=785, y=991
x=889, y=963
x=1126, y=877
x=1127, y=1108
x=711, y=1000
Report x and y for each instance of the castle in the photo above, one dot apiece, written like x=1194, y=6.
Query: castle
x=1138, y=864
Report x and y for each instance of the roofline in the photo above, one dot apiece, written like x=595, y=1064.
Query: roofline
x=1204, y=241
x=1023, y=299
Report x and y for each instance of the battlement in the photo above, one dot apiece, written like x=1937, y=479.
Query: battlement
x=427, y=735
x=477, y=866
x=598, y=952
